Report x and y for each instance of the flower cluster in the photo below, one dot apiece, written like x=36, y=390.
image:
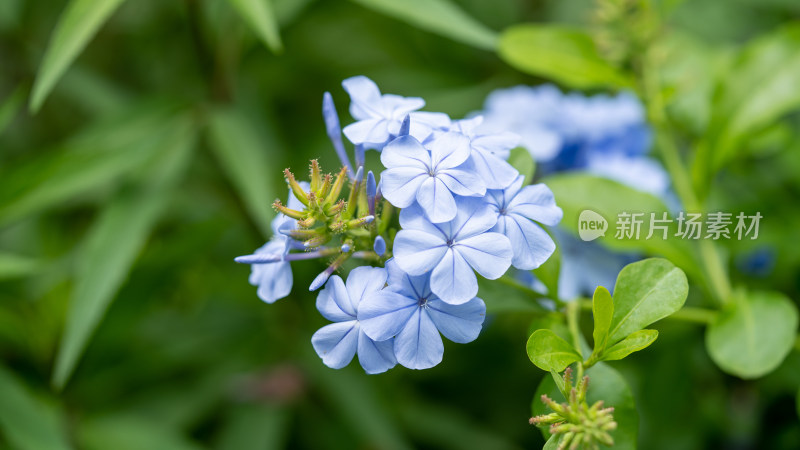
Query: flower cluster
x=601, y=135
x=463, y=209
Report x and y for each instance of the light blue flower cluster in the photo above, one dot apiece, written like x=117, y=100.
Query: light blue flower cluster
x=602, y=135
x=463, y=210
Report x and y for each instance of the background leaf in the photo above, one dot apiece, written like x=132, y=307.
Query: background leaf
x=26, y=421
x=111, y=247
x=566, y=55
x=520, y=158
x=577, y=192
x=77, y=25
x=550, y=352
x=754, y=334
x=437, y=16
x=242, y=152
x=260, y=16
x=646, y=291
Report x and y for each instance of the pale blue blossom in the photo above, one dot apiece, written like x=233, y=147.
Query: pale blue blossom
x=430, y=175
x=452, y=250
x=516, y=208
x=408, y=311
x=379, y=117
x=488, y=152
x=340, y=303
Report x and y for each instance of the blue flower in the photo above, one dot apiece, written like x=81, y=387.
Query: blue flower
x=270, y=270
x=408, y=311
x=489, y=152
x=429, y=176
x=451, y=250
x=338, y=342
x=516, y=207
x=380, y=116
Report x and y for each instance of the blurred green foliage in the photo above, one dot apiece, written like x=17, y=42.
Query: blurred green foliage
x=141, y=143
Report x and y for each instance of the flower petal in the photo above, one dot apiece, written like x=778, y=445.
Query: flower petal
x=532, y=246
x=413, y=218
x=448, y=150
x=459, y=323
x=495, y=172
x=474, y=217
x=489, y=254
x=275, y=281
x=384, y=313
x=463, y=182
x=370, y=131
x=400, y=184
x=417, y=252
x=375, y=357
x=437, y=201
x=401, y=282
x=453, y=280
x=336, y=343
x=406, y=151
x=419, y=345
x=336, y=297
x=365, y=97
x=363, y=281
x=537, y=203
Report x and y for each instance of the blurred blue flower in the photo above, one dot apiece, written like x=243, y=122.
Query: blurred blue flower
x=379, y=117
x=451, y=250
x=429, y=176
x=516, y=208
x=489, y=152
x=408, y=311
x=338, y=342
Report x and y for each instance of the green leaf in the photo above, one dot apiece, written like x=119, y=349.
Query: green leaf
x=77, y=25
x=130, y=432
x=636, y=341
x=603, y=311
x=254, y=427
x=605, y=384
x=551, y=444
x=521, y=159
x=507, y=295
x=560, y=383
x=753, y=335
x=437, y=16
x=27, y=422
x=10, y=106
x=103, y=154
x=259, y=14
x=551, y=353
x=111, y=247
x=243, y=156
x=759, y=89
x=576, y=192
x=13, y=266
x=646, y=291
x=566, y=55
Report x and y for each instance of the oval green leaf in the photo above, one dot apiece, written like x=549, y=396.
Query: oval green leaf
x=549, y=352
x=260, y=16
x=754, y=334
x=633, y=343
x=603, y=312
x=646, y=291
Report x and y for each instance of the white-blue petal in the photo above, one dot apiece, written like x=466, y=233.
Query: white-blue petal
x=474, y=217
x=400, y=185
x=370, y=131
x=459, y=323
x=275, y=281
x=417, y=252
x=375, y=357
x=383, y=314
x=489, y=254
x=448, y=150
x=419, y=345
x=365, y=97
x=495, y=172
x=531, y=244
x=336, y=343
x=329, y=307
x=453, y=280
x=537, y=203
x=364, y=280
x=436, y=200
x=462, y=182
x=406, y=151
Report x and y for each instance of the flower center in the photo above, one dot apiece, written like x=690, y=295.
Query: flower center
x=450, y=243
x=423, y=302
